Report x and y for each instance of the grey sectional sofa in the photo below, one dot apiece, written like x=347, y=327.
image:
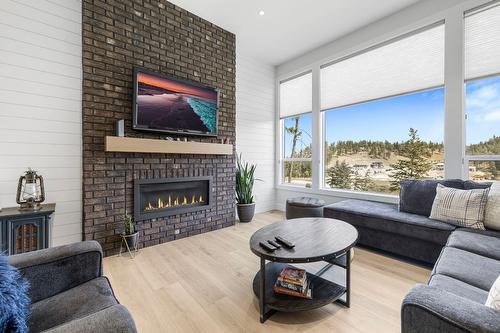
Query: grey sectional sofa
x=69, y=293
x=383, y=227
x=454, y=298
x=467, y=262
x=403, y=230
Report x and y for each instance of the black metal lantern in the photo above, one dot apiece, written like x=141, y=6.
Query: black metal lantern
x=30, y=191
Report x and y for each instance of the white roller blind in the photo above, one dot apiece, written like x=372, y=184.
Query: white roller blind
x=296, y=95
x=482, y=43
x=405, y=65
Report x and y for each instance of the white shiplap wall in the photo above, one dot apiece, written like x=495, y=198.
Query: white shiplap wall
x=40, y=105
x=255, y=119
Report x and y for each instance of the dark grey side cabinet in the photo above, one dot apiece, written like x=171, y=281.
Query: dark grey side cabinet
x=25, y=231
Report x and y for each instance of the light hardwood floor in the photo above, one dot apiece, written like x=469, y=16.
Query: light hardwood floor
x=204, y=284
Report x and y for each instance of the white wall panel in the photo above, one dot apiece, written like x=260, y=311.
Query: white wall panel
x=40, y=105
x=255, y=124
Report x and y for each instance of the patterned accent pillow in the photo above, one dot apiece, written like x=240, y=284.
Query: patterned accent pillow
x=463, y=208
x=492, y=212
x=493, y=300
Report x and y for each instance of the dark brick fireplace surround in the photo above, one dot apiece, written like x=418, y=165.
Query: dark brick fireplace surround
x=159, y=36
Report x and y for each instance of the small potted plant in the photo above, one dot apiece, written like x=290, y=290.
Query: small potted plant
x=130, y=234
x=245, y=205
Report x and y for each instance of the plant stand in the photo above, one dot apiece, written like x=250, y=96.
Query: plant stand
x=131, y=244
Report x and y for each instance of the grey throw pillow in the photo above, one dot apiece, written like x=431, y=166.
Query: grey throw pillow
x=417, y=195
x=463, y=208
x=471, y=185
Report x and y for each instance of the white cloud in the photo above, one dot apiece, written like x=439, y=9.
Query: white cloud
x=492, y=115
x=483, y=97
x=483, y=103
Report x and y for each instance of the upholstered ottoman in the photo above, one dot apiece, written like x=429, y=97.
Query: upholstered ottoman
x=304, y=207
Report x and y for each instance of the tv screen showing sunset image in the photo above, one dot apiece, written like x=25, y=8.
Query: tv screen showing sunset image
x=164, y=104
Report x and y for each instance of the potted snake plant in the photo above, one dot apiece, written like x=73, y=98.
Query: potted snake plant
x=245, y=178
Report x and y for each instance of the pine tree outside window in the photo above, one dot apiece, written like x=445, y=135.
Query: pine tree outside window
x=296, y=128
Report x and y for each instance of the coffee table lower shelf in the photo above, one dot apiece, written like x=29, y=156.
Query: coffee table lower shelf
x=323, y=292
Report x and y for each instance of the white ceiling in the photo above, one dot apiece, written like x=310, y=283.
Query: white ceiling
x=289, y=28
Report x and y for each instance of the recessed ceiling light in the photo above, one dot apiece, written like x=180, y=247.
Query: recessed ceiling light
x=261, y=13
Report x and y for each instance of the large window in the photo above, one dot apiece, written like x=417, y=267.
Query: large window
x=370, y=146
x=482, y=73
x=296, y=129
x=383, y=114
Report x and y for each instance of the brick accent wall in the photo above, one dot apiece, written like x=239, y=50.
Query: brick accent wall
x=159, y=36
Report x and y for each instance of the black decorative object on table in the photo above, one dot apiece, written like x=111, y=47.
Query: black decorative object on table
x=25, y=230
x=315, y=239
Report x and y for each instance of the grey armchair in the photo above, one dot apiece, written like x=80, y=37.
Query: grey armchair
x=428, y=309
x=69, y=293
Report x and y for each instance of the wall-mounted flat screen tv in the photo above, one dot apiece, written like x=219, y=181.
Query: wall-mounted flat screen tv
x=164, y=104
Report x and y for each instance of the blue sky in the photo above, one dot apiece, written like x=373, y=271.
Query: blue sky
x=483, y=109
x=390, y=119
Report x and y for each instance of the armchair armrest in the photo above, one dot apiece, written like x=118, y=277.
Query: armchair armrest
x=54, y=270
x=428, y=309
x=115, y=319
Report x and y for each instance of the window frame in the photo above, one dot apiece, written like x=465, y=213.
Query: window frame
x=467, y=157
x=456, y=164
x=280, y=142
x=473, y=158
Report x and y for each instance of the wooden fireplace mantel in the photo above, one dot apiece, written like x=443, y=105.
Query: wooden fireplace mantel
x=139, y=145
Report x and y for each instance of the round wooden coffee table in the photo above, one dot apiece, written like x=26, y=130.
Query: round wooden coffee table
x=315, y=239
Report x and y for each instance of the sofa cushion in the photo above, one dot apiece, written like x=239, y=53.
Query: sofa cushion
x=417, y=196
x=468, y=267
x=387, y=218
x=78, y=302
x=114, y=319
x=485, y=245
x=458, y=288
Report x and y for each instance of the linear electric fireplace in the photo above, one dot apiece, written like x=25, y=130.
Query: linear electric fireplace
x=154, y=198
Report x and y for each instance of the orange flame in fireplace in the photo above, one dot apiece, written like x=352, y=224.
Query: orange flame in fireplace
x=172, y=202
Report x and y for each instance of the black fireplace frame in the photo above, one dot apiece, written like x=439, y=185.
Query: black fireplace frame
x=139, y=215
